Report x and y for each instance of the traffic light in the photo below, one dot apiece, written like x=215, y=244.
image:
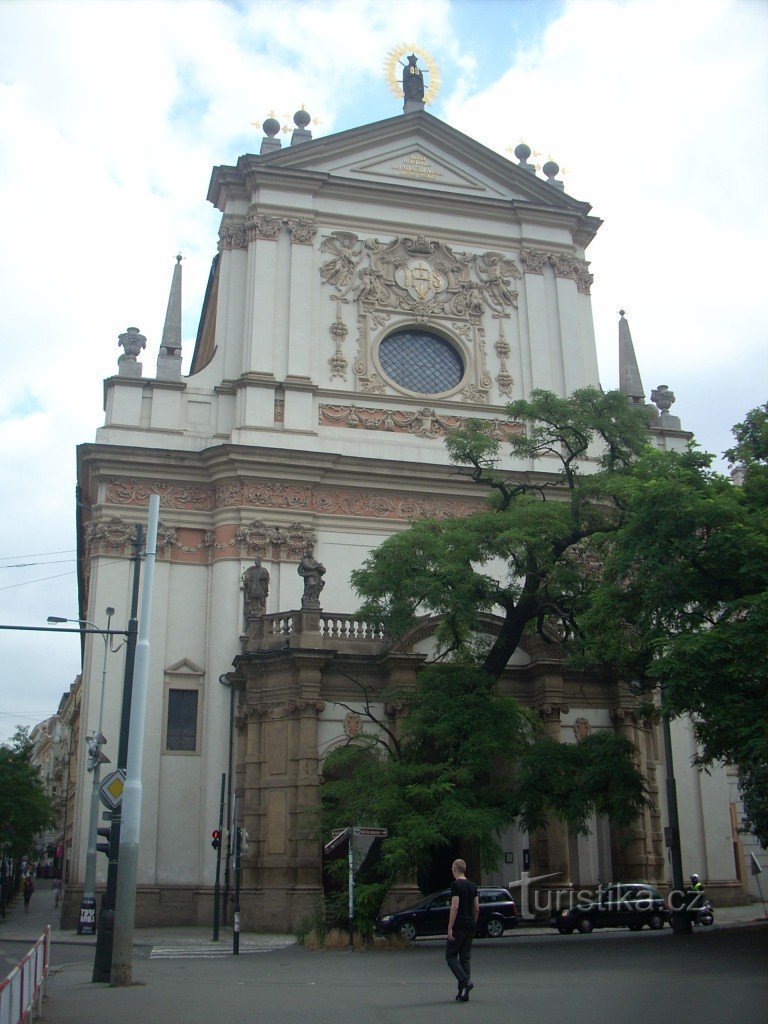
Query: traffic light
x=215, y=839
x=106, y=832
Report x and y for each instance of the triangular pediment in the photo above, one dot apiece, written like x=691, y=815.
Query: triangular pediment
x=185, y=667
x=420, y=152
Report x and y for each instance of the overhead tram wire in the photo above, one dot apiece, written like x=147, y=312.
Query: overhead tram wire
x=39, y=554
x=44, y=579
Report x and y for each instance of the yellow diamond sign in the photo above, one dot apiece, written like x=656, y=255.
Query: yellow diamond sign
x=111, y=789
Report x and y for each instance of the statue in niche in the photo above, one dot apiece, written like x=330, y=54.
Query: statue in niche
x=256, y=590
x=312, y=572
x=413, y=80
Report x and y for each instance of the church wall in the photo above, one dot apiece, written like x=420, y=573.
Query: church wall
x=291, y=429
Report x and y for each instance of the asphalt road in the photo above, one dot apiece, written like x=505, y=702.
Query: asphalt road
x=619, y=977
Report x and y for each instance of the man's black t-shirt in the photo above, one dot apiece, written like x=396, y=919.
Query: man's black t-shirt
x=466, y=891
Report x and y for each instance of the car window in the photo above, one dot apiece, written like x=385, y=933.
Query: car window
x=444, y=900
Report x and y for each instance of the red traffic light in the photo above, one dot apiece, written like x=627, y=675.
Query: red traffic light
x=215, y=839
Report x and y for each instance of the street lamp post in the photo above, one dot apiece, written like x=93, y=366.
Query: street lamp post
x=87, y=919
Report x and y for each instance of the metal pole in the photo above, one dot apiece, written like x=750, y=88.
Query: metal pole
x=681, y=924
x=125, y=901
x=217, y=883
x=89, y=888
x=236, y=908
x=351, y=866
x=102, y=961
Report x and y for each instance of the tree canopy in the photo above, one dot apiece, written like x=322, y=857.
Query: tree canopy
x=683, y=600
x=472, y=760
x=25, y=808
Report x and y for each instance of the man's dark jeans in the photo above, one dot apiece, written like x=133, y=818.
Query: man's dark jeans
x=458, y=952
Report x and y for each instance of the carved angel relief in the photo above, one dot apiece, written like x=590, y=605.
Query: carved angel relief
x=418, y=275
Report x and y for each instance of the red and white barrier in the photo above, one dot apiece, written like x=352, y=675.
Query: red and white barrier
x=21, y=994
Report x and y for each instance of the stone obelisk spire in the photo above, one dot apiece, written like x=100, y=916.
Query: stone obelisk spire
x=630, y=383
x=169, y=356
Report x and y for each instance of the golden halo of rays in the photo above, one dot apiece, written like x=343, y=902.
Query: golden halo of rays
x=393, y=73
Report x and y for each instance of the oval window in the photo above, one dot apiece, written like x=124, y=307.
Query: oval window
x=420, y=361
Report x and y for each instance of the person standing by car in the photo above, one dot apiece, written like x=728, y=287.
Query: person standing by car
x=462, y=922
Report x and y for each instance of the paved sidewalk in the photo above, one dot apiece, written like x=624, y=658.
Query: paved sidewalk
x=18, y=926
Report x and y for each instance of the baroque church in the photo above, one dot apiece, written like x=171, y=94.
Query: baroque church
x=372, y=289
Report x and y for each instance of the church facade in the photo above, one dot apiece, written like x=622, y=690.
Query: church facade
x=372, y=290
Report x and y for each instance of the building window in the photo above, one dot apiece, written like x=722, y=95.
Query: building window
x=181, y=733
x=421, y=362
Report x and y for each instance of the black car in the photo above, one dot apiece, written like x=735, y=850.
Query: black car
x=626, y=905
x=497, y=913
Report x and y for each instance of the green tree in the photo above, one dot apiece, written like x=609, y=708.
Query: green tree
x=471, y=760
x=683, y=600
x=25, y=808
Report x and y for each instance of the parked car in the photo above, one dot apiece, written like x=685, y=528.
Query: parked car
x=625, y=905
x=497, y=913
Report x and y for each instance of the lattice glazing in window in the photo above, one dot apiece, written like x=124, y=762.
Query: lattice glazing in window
x=421, y=362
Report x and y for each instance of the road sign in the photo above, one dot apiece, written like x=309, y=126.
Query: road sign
x=111, y=789
x=337, y=840
x=370, y=832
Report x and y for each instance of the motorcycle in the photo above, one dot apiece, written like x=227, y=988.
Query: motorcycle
x=700, y=910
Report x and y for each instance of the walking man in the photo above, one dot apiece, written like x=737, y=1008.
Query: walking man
x=462, y=922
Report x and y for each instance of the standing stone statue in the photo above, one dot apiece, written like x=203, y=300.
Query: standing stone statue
x=256, y=589
x=413, y=80
x=312, y=573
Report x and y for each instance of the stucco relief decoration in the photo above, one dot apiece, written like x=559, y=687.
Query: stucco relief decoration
x=551, y=711
x=284, y=708
x=278, y=543
x=301, y=230
x=111, y=533
x=534, y=260
x=176, y=496
x=419, y=276
x=563, y=264
x=345, y=251
x=581, y=729
x=262, y=225
x=425, y=423
x=339, y=330
x=353, y=724
x=232, y=234
x=504, y=379
x=496, y=273
x=471, y=393
x=167, y=536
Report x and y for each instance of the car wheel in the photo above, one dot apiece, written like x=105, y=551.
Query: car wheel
x=407, y=931
x=655, y=921
x=494, y=928
x=585, y=925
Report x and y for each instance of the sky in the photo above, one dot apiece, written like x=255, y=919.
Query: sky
x=112, y=115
